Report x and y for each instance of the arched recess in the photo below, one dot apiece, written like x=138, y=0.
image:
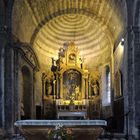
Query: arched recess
x=26, y=95
x=26, y=65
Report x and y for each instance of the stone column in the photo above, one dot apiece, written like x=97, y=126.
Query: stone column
x=33, y=95
x=128, y=81
x=6, y=68
x=2, y=76
x=16, y=89
x=6, y=82
x=136, y=66
x=2, y=40
x=9, y=89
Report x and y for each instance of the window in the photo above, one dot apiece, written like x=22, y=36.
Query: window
x=106, y=87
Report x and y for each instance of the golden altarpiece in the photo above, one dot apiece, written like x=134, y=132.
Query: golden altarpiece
x=70, y=89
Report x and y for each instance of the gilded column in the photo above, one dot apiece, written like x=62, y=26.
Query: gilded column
x=89, y=90
x=86, y=88
x=61, y=87
x=54, y=85
x=83, y=87
x=57, y=87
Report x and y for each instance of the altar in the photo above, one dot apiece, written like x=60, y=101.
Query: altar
x=71, y=87
x=61, y=129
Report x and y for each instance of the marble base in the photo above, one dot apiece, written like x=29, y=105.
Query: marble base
x=81, y=129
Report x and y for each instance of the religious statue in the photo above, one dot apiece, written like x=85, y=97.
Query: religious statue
x=77, y=90
x=95, y=87
x=48, y=87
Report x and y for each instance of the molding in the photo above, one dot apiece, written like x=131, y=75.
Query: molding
x=28, y=53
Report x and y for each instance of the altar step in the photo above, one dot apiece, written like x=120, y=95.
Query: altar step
x=115, y=136
x=13, y=137
x=106, y=136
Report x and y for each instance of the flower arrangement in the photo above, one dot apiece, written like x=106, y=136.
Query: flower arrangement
x=60, y=133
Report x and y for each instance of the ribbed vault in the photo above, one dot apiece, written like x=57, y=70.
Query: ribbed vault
x=94, y=25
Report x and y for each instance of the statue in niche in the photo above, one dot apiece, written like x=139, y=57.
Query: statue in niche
x=94, y=88
x=66, y=92
x=48, y=88
x=72, y=58
x=77, y=91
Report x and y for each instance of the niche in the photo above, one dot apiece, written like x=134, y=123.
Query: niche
x=26, y=102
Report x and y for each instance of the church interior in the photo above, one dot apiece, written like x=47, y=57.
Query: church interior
x=70, y=60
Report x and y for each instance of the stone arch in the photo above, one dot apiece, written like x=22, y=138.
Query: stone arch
x=59, y=13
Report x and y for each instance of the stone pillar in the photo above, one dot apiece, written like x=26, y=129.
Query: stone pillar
x=9, y=90
x=136, y=66
x=33, y=115
x=43, y=93
x=2, y=76
x=7, y=76
x=16, y=90
x=128, y=81
x=2, y=45
x=6, y=82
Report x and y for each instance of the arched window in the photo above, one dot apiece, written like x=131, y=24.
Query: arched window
x=106, y=87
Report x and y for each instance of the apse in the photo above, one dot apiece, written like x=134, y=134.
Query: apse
x=93, y=25
x=73, y=42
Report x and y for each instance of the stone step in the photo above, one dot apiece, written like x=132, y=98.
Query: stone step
x=112, y=136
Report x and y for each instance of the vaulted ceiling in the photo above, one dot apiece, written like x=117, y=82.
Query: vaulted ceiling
x=94, y=26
